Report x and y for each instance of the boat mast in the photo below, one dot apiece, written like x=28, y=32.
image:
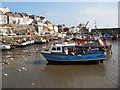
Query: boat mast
x=95, y=26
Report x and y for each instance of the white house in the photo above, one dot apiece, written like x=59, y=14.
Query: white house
x=31, y=19
x=10, y=18
x=18, y=18
x=3, y=18
x=44, y=20
x=4, y=9
x=55, y=28
x=25, y=18
x=37, y=18
x=72, y=30
x=50, y=26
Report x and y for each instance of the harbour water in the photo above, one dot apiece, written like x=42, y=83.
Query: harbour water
x=26, y=68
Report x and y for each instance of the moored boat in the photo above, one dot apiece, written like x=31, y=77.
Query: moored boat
x=68, y=53
x=98, y=43
x=89, y=40
x=41, y=41
x=4, y=47
x=92, y=45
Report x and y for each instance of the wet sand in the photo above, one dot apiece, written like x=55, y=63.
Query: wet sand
x=28, y=69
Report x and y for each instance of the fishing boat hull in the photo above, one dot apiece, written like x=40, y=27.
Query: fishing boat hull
x=105, y=46
x=38, y=41
x=5, y=47
x=74, y=58
x=86, y=41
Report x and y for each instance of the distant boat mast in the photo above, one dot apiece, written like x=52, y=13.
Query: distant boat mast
x=95, y=24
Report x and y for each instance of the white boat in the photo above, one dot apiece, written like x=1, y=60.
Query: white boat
x=3, y=46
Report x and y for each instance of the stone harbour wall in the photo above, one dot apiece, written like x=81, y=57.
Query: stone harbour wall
x=16, y=28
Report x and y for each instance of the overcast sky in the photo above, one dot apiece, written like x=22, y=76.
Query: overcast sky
x=71, y=13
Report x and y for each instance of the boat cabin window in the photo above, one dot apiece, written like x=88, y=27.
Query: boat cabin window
x=53, y=48
x=58, y=48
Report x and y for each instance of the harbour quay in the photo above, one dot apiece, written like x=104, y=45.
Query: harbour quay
x=24, y=40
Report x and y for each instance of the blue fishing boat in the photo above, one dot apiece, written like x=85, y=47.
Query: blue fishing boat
x=68, y=53
x=38, y=41
x=41, y=41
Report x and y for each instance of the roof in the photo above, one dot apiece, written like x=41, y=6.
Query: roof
x=31, y=16
x=1, y=13
x=65, y=44
x=9, y=14
x=4, y=9
x=17, y=15
x=23, y=14
x=41, y=17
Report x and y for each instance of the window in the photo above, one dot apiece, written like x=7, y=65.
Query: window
x=58, y=48
x=53, y=48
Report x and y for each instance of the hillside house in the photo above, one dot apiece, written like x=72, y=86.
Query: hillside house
x=31, y=19
x=25, y=18
x=42, y=19
x=50, y=26
x=4, y=9
x=10, y=18
x=55, y=27
x=3, y=18
x=18, y=18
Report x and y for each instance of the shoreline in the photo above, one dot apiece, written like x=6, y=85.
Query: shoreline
x=18, y=37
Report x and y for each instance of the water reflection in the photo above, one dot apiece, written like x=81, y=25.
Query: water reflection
x=77, y=76
x=72, y=63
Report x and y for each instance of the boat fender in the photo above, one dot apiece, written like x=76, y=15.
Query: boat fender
x=66, y=50
x=100, y=42
x=78, y=55
x=72, y=53
x=105, y=53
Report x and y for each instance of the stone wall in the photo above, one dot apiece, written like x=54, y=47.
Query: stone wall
x=16, y=28
x=108, y=30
